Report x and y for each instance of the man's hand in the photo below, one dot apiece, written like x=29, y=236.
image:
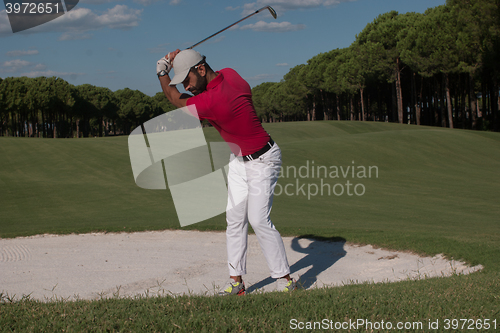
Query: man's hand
x=165, y=63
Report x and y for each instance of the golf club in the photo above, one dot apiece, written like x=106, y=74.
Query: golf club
x=273, y=13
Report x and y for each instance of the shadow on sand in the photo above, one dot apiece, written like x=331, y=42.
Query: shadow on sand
x=321, y=254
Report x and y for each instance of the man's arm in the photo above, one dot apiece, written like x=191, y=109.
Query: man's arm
x=174, y=96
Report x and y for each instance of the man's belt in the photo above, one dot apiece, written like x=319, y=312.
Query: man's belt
x=261, y=152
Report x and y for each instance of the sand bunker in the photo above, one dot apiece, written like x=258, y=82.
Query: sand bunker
x=91, y=266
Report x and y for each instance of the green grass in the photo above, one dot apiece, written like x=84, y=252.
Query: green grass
x=436, y=192
x=409, y=301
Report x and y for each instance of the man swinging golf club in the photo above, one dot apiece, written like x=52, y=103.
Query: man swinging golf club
x=224, y=98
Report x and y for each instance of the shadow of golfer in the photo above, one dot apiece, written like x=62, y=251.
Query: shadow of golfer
x=321, y=254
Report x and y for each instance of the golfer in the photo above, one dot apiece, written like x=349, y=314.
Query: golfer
x=224, y=98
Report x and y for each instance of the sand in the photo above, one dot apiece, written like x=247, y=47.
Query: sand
x=176, y=262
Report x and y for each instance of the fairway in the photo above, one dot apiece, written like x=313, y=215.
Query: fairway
x=430, y=190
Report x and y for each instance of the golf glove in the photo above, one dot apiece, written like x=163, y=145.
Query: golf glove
x=163, y=64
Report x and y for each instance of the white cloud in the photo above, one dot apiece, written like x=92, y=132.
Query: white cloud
x=231, y=8
x=145, y=2
x=20, y=53
x=119, y=17
x=175, y=2
x=273, y=26
x=76, y=35
x=83, y=19
x=260, y=77
x=101, y=2
x=14, y=65
x=18, y=65
x=282, y=64
x=284, y=5
x=216, y=40
x=49, y=73
x=97, y=2
x=80, y=20
x=160, y=48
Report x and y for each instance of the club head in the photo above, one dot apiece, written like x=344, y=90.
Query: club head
x=273, y=12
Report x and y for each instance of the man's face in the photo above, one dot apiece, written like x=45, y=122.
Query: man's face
x=196, y=81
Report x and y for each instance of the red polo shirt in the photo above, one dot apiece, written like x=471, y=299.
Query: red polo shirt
x=227, y=105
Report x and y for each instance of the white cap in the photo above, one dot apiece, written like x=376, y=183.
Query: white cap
x=183, y=62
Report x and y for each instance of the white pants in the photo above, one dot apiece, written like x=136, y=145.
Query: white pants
x=250, y=198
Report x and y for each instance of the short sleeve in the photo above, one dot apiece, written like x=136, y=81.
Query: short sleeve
x=201, y=104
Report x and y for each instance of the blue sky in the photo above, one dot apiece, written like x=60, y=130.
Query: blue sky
x=115, y=43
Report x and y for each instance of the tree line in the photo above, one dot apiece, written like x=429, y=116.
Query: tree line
x=53, y=108
x=439, y=68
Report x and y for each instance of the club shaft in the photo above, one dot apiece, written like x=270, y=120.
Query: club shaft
x=218, y=32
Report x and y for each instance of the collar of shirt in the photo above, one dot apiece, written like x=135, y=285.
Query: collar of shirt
x=218, y=79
